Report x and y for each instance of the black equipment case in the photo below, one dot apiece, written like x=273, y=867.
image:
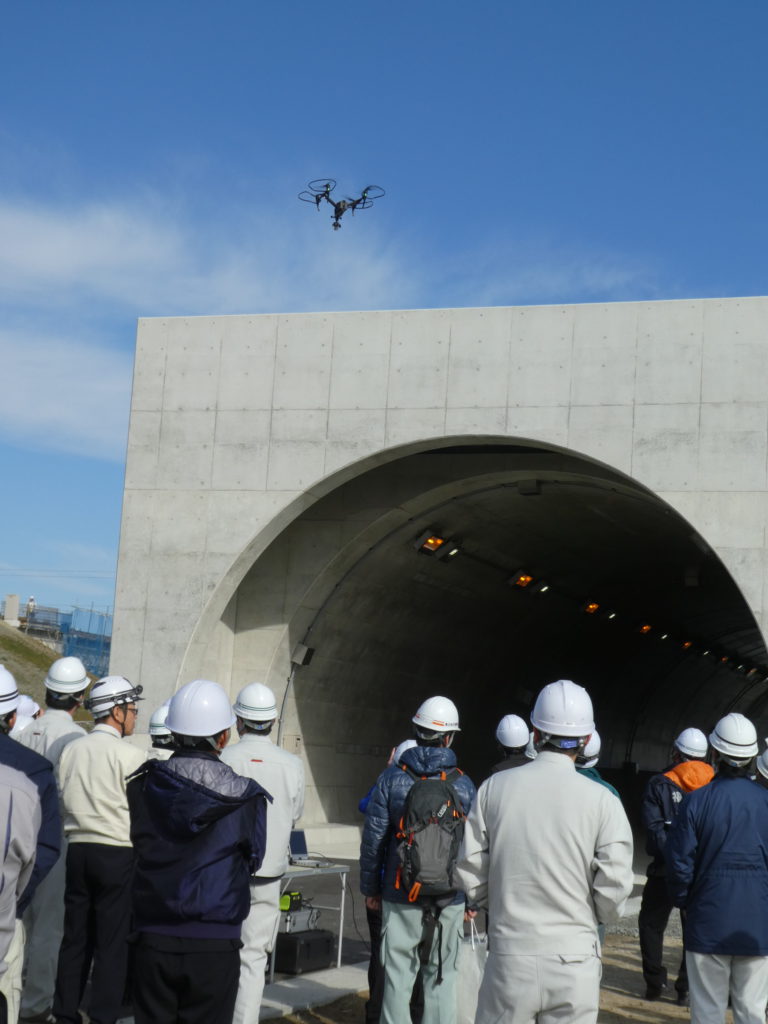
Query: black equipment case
x=297, y=952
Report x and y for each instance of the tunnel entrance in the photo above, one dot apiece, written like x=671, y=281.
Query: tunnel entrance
x=624, y=597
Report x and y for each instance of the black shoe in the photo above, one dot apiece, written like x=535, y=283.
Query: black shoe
x=682, y=999
x=654, y=992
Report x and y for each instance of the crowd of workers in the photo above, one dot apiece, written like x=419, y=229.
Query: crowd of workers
x=153, y=873
x=548, y=854
x=156, y=873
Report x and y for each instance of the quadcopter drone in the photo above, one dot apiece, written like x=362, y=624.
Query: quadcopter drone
x=321, y=188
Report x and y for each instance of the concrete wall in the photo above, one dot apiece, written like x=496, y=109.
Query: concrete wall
x=241, y=424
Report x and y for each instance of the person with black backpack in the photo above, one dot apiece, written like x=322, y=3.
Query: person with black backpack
x=413, y=830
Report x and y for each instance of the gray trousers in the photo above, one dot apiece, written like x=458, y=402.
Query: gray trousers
x=713, y=977
x=531, y=989
x=401, y=932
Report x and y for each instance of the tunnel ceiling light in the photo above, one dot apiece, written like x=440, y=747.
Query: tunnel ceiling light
x=522, y=578
x=540, y=587
x=724, y=659
x=687, y=645
x=429, y=542
x=664, y=636
x=646, y=628
x=610, y=615
x=449, y=549
x=591, y=607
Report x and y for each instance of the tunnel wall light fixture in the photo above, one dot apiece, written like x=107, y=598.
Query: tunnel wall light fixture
x=522, y=578
x=429, y=542
x=539, y=587
x=591, y=607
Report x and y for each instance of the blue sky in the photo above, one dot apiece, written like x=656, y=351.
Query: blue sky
x=151, y=153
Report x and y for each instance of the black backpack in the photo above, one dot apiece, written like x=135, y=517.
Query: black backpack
x=429, y=836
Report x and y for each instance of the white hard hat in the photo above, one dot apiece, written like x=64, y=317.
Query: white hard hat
x=66, y=675
x=437, y=714
x=512, y=732
x=200, y=708
x=591, y=754
x=563, y=709
x=9, y=693
x=157, y=726
x=21, y=723
x=530, y=749
x=256, y=703
x=401, y=748
x=762, y=764
x=111, y=692
x=692, y=742
x=27, y=706
x=735, y=737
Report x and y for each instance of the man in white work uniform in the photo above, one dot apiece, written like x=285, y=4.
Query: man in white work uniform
x=282, y=775
x=65, y=686
x=97, y=901
x=555, y=852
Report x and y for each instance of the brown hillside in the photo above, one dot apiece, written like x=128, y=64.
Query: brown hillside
x=27, y=659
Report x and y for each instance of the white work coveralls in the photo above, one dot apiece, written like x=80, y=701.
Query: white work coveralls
x=282, y=775
x=550, y=854
x=44, y=917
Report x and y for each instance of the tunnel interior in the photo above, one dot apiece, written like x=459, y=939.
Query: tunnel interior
x=624, y=597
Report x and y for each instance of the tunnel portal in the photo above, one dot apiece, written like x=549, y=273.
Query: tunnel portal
x=281, y=469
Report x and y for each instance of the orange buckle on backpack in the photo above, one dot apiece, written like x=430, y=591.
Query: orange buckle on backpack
x=413, y=895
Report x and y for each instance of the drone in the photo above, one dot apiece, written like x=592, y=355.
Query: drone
x=321, y=188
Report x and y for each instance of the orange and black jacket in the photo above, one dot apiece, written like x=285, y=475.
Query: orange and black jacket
x=661, y=803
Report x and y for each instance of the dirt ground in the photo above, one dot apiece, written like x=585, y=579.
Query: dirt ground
x=620, y=998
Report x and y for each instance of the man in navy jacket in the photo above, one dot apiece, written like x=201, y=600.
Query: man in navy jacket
x=661, y=803
x=717, y=871
x=436, y=722
x=199, y=832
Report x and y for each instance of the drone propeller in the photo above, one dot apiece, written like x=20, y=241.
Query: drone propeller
x=322, y=185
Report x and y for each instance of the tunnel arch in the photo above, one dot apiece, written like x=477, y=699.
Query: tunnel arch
x=337, y=572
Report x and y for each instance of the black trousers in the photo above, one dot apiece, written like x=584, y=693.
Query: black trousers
x=185, y=981
x=376, y=977
x=3, y=1010
x=655, y=908
x=97, y=919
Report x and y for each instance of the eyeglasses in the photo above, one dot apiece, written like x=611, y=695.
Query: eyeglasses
x=134, y=710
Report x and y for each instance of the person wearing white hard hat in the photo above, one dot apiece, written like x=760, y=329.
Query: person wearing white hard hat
x=410, y=923
x=687, y=771
x=555, y=852
x=97, y=901
x=20, y=819
x=65, y=686
x=373, y=918
x=718, y=874
x=26, y=713
x=281, y=773
x=512, y=736
x=199, y=830
x=40, y=772
x=160, y=735
x=587, y=760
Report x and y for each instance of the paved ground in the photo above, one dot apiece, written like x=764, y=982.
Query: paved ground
x=621, y=991
x=620, y=998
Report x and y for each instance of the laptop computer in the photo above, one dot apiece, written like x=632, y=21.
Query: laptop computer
x=299, y=855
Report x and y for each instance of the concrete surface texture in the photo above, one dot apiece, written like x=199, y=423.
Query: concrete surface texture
x=281, y=468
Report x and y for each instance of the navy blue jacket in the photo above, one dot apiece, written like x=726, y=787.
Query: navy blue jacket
x=39, y=770
x=378, y=850
x=717, y=867
x=199, y=832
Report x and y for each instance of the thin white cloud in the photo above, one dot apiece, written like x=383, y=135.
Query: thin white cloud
x=65, y=395
x=146, y=258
